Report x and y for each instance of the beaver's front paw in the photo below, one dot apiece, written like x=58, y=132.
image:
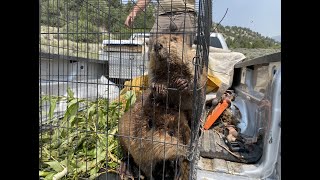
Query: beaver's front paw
x=181, y=84
x=159, y=89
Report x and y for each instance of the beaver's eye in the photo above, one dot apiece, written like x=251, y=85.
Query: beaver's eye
x=171, y=133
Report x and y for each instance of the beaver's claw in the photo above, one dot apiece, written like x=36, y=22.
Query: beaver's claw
x=181, y=84
x=159, y=88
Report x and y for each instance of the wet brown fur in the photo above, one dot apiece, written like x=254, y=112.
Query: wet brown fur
x=171, y=66
x=145, y=121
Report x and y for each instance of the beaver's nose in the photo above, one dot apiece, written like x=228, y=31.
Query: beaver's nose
x=158, y=46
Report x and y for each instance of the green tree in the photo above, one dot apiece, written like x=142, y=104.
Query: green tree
x=51, y=12
x=257, y=44
x=229, y=42
x=145, y=19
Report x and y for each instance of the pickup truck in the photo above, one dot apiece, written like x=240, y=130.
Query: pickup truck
x=256, y=84
x=257, y=88
x=216, y=40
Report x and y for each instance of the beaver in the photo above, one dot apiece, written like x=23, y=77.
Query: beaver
x=153, y=135
x=172, y=70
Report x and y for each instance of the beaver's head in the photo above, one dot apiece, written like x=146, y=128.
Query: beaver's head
x=166, y=46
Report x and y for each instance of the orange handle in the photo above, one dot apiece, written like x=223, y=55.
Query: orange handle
x=215, y=114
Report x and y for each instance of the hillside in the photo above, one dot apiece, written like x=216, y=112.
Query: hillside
x=241, y=37
x=277, y=38
x=76, y=25
x=91, y=18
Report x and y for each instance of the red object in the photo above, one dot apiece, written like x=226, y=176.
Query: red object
x=217, y=111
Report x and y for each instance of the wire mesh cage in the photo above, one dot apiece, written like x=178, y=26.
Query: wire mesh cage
x=121, y=102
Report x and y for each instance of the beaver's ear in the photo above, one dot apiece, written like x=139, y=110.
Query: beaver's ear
x=174, y=38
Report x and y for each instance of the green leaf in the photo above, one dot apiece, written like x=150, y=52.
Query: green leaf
x=73, y=102
x=81, y=140
x=102, y=118
x=80, y=148
x=45, y=98
x=55, y=135
x=93, y=173
x=102, y=155
x=71, y=163
x=64, y=162
x=102, y=140
x=71, y=167
x=92, y=164
x=91, y=110
x=53, y=104
x=55, y=166
x=44, y=173
x=129, y=95
x=131, y=99
x=72, y=109
x=112, y=164
x=91, y=152
x=113, y=131
x=113, y=106
x=72, y=120
x=70, y=93
x=82, y=167
x=110, y=146
x=49, y=176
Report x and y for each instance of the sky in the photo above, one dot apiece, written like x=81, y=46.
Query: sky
x=262, y=16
